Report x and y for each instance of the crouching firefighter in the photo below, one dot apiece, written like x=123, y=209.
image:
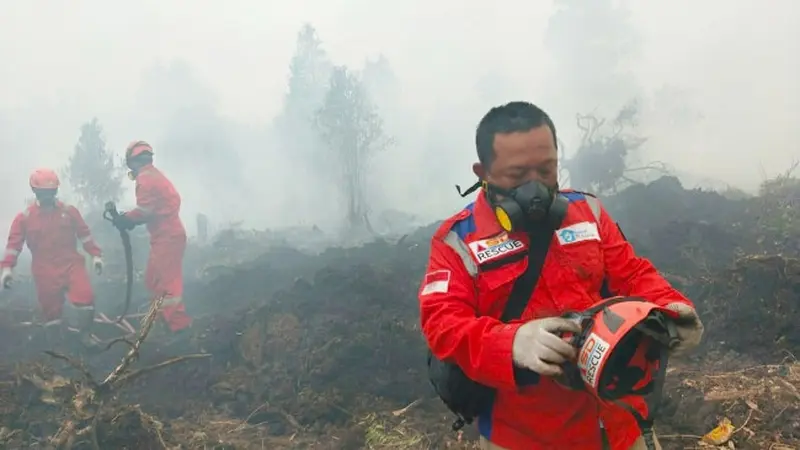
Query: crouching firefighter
x=51, y=229
x=501, y=275
x=158, y=205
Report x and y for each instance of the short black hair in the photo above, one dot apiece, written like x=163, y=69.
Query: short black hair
x=512, y=117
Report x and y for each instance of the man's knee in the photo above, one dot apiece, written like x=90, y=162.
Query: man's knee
x=51, y=302
x=486, y=445
x=79, y=291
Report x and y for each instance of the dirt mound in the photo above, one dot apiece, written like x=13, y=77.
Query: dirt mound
x=753, y=307
x=336, y=344
x=322, y=350
x=762, y=403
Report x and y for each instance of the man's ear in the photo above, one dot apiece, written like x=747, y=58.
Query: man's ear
x=479, y=171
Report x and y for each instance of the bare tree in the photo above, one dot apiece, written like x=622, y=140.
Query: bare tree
x=352, y=130
x=601, y=162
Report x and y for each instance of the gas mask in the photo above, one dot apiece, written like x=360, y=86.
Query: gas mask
x=134, y=168
x=527, y=205
x=45, y=197
x=136, y=163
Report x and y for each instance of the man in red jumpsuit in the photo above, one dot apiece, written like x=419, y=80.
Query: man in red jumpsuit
x=158, y=205
x=474, y=262
x=51, y=229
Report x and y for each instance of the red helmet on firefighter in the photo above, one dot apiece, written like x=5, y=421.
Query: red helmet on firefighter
x=44, y=179
x=623, y=349
x=137, y=148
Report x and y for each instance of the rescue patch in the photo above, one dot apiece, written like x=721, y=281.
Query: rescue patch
x=495, y=247
x=579, y=232
x=436, y=282
x=591, y=359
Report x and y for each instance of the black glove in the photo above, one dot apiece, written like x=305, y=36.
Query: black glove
x=124, y=223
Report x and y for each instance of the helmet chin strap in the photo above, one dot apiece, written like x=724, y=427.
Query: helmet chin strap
x=653, y=402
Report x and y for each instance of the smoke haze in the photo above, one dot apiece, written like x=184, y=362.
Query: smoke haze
x=717, y=82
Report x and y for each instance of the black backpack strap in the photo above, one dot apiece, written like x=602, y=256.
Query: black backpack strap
x=465, y=397
x=523, y=289
x=524, y=286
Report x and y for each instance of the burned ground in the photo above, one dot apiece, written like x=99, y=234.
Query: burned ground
x=322, y=350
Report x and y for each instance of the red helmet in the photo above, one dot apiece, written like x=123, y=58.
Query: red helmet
x=623, y=351
x=44, y=179
x=137, y=148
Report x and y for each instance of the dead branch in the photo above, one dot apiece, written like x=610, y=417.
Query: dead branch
x=655, y=165
x=133, y=352
x=791, y=169
x=130, y=376
x=87, y=402
x=589, y=125
x=616, y=129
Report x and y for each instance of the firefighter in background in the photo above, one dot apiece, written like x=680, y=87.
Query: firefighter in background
x=51, y=230
x=158, y=205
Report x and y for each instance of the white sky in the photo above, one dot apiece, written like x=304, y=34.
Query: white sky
x=65, y=61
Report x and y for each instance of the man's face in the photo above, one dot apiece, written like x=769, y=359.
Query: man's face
x=45, y=197
x=522, y=157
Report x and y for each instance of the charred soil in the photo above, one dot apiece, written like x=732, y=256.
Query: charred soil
x=323, y=351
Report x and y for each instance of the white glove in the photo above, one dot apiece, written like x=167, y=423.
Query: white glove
x=98, y=264
x=6, y=278
x=688, y=326
x=538, y=346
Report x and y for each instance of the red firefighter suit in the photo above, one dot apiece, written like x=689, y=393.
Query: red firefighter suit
x=158, y=205
x=51, y=234
x=470, y=274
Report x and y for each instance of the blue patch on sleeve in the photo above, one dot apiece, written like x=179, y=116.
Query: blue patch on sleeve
x=466, y=226
x=574, y=196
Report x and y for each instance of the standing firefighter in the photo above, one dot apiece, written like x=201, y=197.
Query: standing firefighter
x=502, y=275
x=51, y=230
x=158, y=205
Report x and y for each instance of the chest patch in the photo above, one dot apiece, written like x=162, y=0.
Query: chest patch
x=579, y=232
x=495, y=247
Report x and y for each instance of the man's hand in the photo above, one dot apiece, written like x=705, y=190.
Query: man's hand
x=124, y=223
x=538, y=346
x=6, y=277
x=97, y=262
x=689, y=328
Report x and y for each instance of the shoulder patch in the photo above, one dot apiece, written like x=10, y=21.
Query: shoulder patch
x=573, y=196
x=465, y=223
x=461, y=223
x=591, y=199
x=588, y=194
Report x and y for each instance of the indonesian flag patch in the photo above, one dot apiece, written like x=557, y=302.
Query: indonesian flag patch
x=436, y=282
